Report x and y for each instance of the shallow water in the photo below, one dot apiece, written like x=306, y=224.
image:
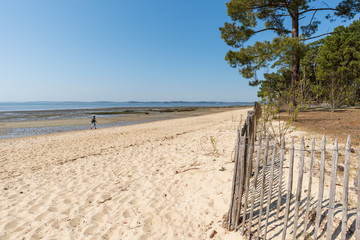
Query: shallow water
x=11, y=122
x=26, y=132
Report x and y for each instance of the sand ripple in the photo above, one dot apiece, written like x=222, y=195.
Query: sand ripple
x=157, y=180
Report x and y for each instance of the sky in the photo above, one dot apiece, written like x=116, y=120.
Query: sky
x=116, y=50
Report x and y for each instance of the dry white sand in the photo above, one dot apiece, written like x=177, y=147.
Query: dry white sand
x=159, y=180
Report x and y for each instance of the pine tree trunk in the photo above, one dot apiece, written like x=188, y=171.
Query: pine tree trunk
x=295, y=58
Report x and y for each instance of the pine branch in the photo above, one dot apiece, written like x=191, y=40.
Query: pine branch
x=313, y=16
x=317, y=36
x=317, y=9
x=273, y=29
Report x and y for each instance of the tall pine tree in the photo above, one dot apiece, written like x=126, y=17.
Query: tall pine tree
x=251, y=17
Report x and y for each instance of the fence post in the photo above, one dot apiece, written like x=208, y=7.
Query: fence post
x=262, y=186
x=321, y=188
x=271, y=181
x=253, y=192
x=309, y=187
x=232, y=210
x=357, y=233
x=241, y=180
x=247, y=182
x=289, y=189
x=280, y=176
x=299, y=186
x=345, y=189
x=332, y=191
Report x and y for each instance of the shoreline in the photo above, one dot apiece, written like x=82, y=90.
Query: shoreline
x=42, y=122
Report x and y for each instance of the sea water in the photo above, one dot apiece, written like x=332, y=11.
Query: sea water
x=38, y=111
x=44, y=105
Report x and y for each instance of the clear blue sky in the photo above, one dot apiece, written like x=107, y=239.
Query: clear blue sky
x=116, y=50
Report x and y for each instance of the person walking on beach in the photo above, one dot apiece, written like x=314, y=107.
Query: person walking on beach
x=93, y=122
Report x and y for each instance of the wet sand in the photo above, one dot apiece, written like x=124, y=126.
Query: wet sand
x=31, y=123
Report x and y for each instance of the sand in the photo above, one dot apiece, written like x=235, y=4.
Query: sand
x=168, y=179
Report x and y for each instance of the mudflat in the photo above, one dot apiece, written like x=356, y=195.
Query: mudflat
x=29, y=123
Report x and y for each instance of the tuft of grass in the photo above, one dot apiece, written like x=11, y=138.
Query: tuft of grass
x=213, y=143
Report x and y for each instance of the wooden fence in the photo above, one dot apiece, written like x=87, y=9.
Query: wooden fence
x=326, y=204
x=243, y=165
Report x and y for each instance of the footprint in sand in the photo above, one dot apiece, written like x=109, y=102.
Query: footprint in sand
x=52, y=209
x=211, y=203
x=148, y=219
x=126, y=214
x=10, y=225
x=38, y=233
x=97, y=217
x=41, y=216
x=75, y=222
x=123, y=199
x=174, y=218
x=90, y=199
x=91, y=230
x=35, y=208
x=134, y=201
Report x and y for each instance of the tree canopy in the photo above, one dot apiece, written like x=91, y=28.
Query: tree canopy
x=293, y=22
x=339, y=65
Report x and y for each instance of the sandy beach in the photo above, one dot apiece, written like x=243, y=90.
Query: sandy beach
x=167, y=179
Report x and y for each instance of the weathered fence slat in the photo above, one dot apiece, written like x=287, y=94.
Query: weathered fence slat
x=299, y=186
x=357, y=231
x=253, y=192
x=346, y=189
x=271, y=182
x=289, y=189
x=262, y=186
x=232, y=210
x=332, y=191
x=280, y=177
x=247, y=182
x=308, y=200
x=240, y=180
x=321, y=188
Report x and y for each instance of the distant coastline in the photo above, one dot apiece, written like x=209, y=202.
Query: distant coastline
x=73, y=105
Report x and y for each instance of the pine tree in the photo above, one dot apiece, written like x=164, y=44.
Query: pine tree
x=251, y=17
x=339, y=65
